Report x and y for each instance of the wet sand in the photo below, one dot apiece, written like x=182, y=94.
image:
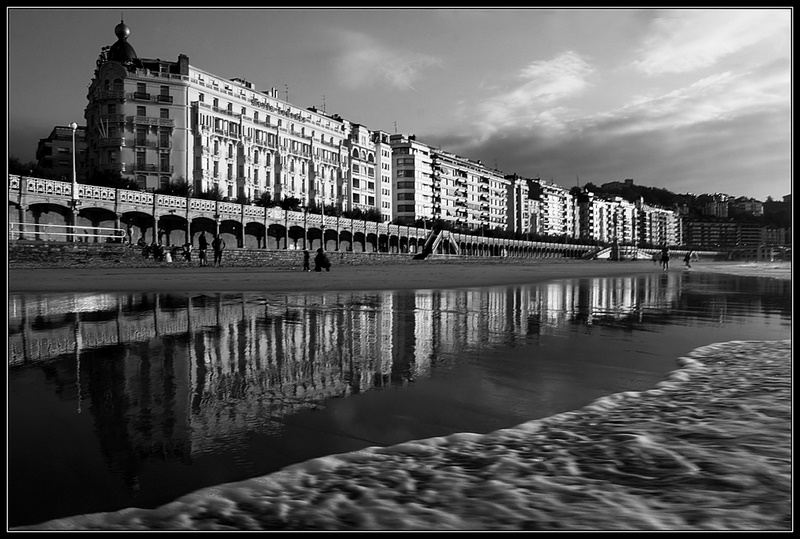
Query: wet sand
x=420, y=275
x=707, y=449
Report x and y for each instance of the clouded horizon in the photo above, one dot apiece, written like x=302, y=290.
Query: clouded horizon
x=689, y=100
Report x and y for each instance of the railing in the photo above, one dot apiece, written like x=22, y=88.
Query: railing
x=46, y=232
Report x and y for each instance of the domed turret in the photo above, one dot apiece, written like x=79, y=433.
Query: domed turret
x=122, y=51
x=122, y=31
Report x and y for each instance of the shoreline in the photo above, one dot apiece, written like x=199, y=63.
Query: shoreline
x=423, y=275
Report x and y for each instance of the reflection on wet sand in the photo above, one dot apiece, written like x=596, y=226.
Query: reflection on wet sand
x=169, y=376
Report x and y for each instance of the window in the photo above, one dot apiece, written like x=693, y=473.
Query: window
x=356, y=198
x=371, y=186
x=164, y=162
x=140, y=159
x=112, y=109
x=215, y=102
x=165, y=90
x=164, y=113
x=201, y=97
x=141, y=88
x=141, y=111
x=371, y=201
x=356, y=183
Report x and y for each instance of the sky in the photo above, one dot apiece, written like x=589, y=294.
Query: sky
x=688, y=100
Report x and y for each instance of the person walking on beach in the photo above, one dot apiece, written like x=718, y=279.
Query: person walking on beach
x=321, y=261
x=688, y=259
x=202, y=248
x=218, y=244
x=306, y=260
x=664, y=258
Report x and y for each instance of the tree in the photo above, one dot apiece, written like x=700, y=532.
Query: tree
x=113, y=179
x=31, y=168
x=215, y=193
x=291, y=203
x=265, y=200
x=178, y=187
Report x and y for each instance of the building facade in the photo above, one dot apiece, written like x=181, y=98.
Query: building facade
x=55, y=151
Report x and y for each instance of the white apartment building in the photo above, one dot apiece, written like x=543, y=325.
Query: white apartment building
x=413, y=184
x=156, y=121
x=558, y=210
x=522, y=209
x=657, y=226
x=468, y=194
x=370, y=185
x=607, y=219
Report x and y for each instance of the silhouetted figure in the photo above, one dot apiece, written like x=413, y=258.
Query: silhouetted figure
x=202, y=248
x=664, y=258
x=321, y=261
x=306, y=260
x=688, y=259
x=218, y=244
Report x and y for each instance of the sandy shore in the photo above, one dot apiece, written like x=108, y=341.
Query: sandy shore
x=421, y=275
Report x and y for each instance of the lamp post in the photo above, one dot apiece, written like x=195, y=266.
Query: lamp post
x=75, y=196
x=74, y=127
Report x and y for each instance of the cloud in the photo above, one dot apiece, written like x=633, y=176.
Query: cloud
x=532, y=97
x=366, y=62
x=684, y=41
x=710, y=135
x=723, y=96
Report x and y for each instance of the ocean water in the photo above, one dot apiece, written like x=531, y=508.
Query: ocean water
x=314, y=376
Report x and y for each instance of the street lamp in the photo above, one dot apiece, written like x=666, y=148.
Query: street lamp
x=74, y=127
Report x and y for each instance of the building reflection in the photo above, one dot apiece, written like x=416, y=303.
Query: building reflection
x=169, y=377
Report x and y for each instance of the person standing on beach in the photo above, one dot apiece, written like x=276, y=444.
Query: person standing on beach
x=321, y=261
x=202, y=247
x=218, y=244
x=664, y=258
x=306, y=260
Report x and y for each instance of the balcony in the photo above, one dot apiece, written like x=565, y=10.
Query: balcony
x=164, y=99
x=117, y=95
x=141, y=96
x=149, y=120
x=111, y=142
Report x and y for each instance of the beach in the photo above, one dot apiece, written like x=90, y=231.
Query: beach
x=420, y=275
x=707, y=449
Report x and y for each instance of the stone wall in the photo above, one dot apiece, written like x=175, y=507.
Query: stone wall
x=41, y=254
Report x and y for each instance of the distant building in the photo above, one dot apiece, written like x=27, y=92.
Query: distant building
x=657, y=226
x=413, y=196
x=55, y=151
x=746, y=206
x=558, y=209
x=717, y=206
x=607, y=219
